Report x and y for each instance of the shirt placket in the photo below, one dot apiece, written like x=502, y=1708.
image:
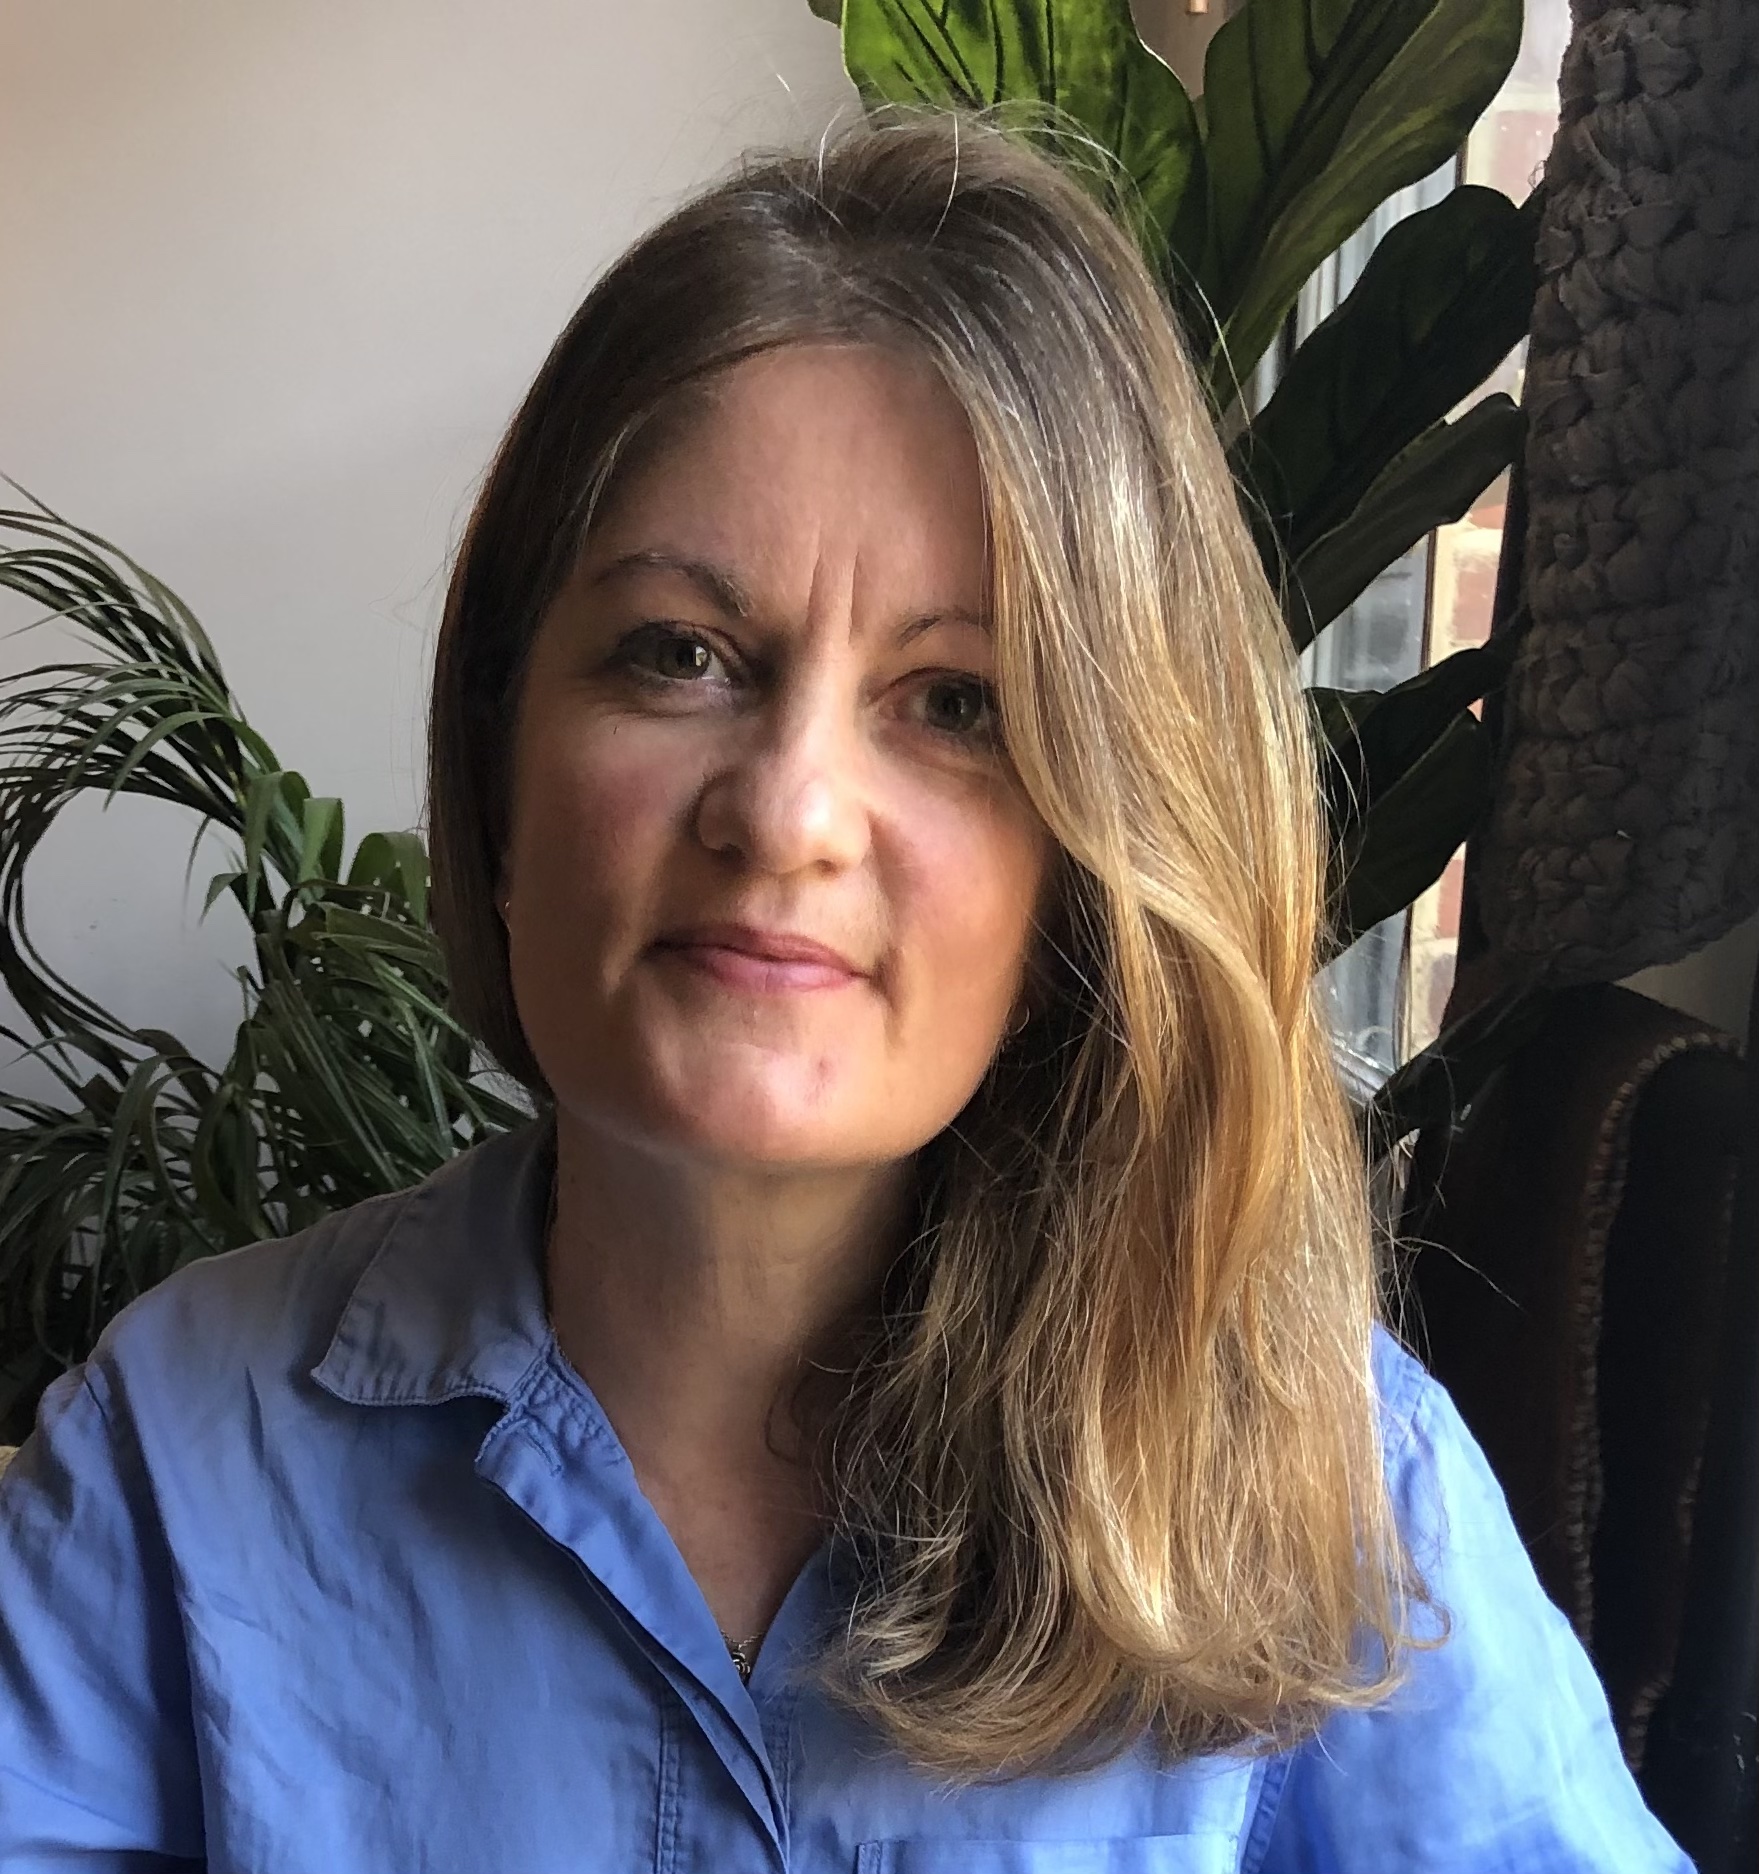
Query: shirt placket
x=554, y=1456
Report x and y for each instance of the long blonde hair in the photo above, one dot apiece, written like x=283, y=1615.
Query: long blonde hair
x=1110, y=1467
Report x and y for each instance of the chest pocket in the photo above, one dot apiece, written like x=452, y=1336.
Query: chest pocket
x=1206, y=1853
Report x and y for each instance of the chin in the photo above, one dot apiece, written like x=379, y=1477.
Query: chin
x=767, y=1112
x=687, y=1094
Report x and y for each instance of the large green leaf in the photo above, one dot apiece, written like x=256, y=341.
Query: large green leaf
x=1444, y=298
x=1407, y=776
x=1408, y=836
x=1372, y=738
x=1432, y=481
x=1082, y=58
x=1315, y=112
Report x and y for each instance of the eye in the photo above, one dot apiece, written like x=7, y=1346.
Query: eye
x=671, y=654
x=961, y=707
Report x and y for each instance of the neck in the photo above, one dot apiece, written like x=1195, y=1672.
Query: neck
x=690, y=1298
x=687, y=1288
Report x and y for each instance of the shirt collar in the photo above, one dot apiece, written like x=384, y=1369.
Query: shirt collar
x=452, y=1301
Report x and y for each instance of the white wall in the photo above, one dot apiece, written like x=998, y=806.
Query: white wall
x=1715, y=983
x=275, y=273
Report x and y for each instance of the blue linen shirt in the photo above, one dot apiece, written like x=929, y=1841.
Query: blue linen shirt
x=328, y=1562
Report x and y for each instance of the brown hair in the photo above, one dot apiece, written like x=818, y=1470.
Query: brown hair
x=1112, y=1466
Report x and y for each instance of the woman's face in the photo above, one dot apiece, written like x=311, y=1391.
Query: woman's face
x=770, y=883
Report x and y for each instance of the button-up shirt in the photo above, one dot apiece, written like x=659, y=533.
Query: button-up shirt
x=328, y=1562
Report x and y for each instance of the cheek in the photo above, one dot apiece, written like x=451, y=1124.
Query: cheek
x=970, y=884
x=595, y=811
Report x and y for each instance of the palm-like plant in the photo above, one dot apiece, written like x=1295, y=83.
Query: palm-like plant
x=347, y=1075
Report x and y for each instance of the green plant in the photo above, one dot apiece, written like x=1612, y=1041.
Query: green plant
x=1313, y=113
x=346, y=1077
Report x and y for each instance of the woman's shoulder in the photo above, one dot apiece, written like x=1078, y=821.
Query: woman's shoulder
x=1403, y=1386
x=1437, y=1478
x=226, y=1320
x=266, y=1314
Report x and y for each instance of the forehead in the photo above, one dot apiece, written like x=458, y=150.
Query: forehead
x=837, y=449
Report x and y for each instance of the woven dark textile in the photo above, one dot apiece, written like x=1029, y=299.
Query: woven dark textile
x=1626, y=827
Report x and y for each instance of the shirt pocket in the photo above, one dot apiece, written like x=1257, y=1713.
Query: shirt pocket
x=1204, y=1853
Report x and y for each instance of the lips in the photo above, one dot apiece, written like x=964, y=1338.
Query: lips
x=745, y=957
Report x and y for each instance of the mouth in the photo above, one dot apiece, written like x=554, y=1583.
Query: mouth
x=763, y=962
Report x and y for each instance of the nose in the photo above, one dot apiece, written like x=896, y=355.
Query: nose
x=791, y=797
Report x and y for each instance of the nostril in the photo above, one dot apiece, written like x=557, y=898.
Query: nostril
x=784, y=816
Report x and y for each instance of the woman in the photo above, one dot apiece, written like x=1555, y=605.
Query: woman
x=912, y=1401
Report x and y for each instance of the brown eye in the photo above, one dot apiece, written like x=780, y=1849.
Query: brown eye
x=963, y=707
x=671, y=654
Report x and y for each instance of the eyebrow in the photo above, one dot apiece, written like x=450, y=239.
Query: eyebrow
x=723, y=590
x=948, y=615
x=720, y=587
